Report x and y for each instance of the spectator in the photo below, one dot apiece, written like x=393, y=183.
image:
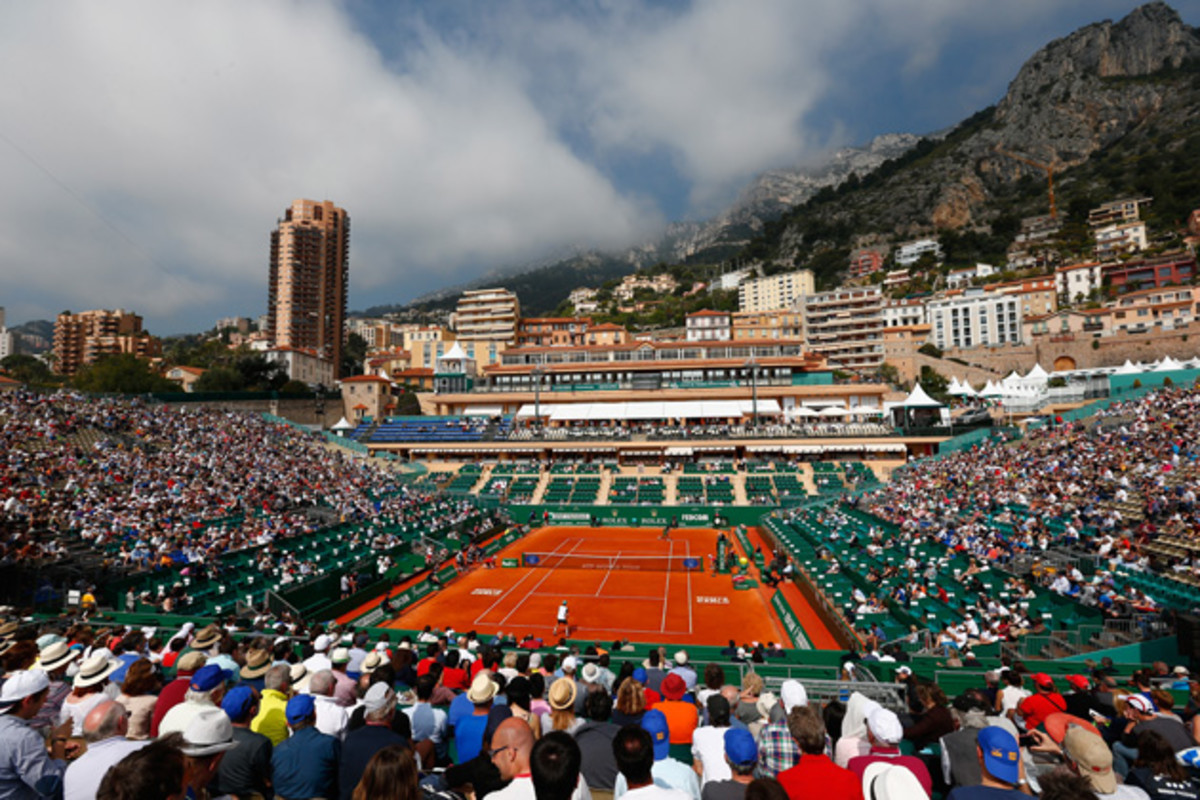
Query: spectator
x=854, y=741
x=246, y=770
x=469, y=731
x=934, y=721
x=1086, y=754
x=88, y=690
x=555, y=767
x=741, y=754
x=1141, y=716
x=708, y=743
x=428, y=723
x=209, y=735
x=667, y=772
x=271, y=719
x=631, y=703
x=139, y=696
x=884, y=734
x=1158, y=772
x=157, y=771
x=888, y=781
x=595, y=737
x=633, y=750
x=682, y=716
x=332, y=718
x=511, y=749
x=344, y=686
x=362, y=744
x=777, y=748
x=391, y=774
x=104, y=730
x=1001, y=769
x=206, y=690
x=174, y=692
x=54, y=659
x=562, y=707
x=815, y=768
x=1042, y=703
x=306, y=764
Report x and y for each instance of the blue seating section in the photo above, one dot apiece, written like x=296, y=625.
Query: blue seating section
x=436, y=429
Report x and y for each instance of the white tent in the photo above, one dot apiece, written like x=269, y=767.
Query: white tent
x=917, y=398
x=1037, y=373
x=991, y=390
x=955, y=388
x=1128, y=368
x=834, y=411
x=967, y=391
x=343, y=424
x=804, y=411
x=1168, y=364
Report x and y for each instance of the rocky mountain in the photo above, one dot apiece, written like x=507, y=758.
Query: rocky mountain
x=542, y=285
x=1111, y=108
x=1074, y=100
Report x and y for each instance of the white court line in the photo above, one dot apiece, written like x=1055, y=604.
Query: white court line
x=511, y=589
x=549, y=572
x=688, y=555
x=593, y=597
x=667, y=588
x=607, y=574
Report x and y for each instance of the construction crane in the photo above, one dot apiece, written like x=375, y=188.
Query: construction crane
x=1049, y=169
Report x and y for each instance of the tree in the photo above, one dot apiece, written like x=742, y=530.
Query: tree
x=295, y=388
x=935, y=384
x=220, y=379
x=353, y=355
x=889, y=374
x=27, y=369
x=122, y=373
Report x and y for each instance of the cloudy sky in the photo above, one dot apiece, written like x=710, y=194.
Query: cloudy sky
x=148, y=148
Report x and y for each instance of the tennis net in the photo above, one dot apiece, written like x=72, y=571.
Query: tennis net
x=607, y=561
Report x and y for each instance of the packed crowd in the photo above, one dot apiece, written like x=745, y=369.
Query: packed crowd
x=155, y=486
x=1096, y=491
x=292, y=714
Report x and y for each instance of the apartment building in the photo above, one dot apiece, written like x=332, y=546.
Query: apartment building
x=776, y=291
x=379, y=334
x=975, y=318
x=1120, y=239
x=846, y=327
x=487, y=314
x=910, y=253
x=552, y=331
x=309, y=279
x=8, y=339
x=1151, y=273
x=708, y=326
x=1038, y=296
x=1162, y=309
x=1128, y=209
x=1067, y=324
x=781, y=323
x=1076, y=282
x=583, y=300
x=904, y=313
x=866, y=260
x=80, y=339
x=630, y=284
x=305, y=366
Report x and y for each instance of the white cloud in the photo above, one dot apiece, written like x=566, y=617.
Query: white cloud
x=190, y=127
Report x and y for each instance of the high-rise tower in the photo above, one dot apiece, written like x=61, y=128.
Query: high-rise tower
x=310, y=275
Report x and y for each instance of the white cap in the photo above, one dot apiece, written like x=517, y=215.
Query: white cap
x=377, y=697
x=681, y=657
x=340, y=655
x=792, y=694
x=321, y=644
x=210, y=732
x=885, y=726
x=569, y=663
x=22, y=684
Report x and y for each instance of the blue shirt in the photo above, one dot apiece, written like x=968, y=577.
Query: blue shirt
x=468, y=736
x=460, y=707
x=26, y=769
x=306, y=765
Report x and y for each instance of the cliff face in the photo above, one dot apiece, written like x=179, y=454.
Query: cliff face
x=1069, y=101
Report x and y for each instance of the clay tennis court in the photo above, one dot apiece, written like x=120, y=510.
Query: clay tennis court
x=618, y=582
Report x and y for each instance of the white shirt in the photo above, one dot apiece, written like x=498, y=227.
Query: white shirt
x=77, y=711
x=670, y=774
x=521, y=788
x=83, y=776
x=651, y=792
x=708, y=745
x=317, y=662
x=331, y=717
x=562, y=613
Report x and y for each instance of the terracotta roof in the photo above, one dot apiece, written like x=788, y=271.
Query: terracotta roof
x=708, y=312
x=6, y=379
x=414, y=372
x=366, y=379
x=606, y=326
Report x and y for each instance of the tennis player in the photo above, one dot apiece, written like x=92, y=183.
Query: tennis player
x=561, y=619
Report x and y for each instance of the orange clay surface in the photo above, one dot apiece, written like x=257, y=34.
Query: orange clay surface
x=681, y=606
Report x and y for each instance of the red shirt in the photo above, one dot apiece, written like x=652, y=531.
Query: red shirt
x=801, y=782
x=455, y=678
x=424, y=664
x=891, y=755
x=1037, y=707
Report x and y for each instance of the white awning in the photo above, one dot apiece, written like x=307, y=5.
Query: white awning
x=678, y=451
x=483, y=411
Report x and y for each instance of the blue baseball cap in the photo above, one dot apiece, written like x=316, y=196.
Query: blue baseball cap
x=300, y=708
x=1001, y=755
x=639, y=675
x=208, y=677
x=654, y=722
x=740, y=747
x=237, y=702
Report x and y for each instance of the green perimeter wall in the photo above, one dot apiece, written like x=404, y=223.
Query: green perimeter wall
x=635, y=516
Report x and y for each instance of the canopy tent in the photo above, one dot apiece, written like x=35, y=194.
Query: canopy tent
x=1128, y=368
x=917, y=398
x=955, y=388
x=1037, y=373
x=343, y=425
x=1168, y=364
x=991, y=390
x=804, y=411
x=833, y=411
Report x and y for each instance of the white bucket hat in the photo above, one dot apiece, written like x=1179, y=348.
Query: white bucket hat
x=210, y=732
x=95, y=670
